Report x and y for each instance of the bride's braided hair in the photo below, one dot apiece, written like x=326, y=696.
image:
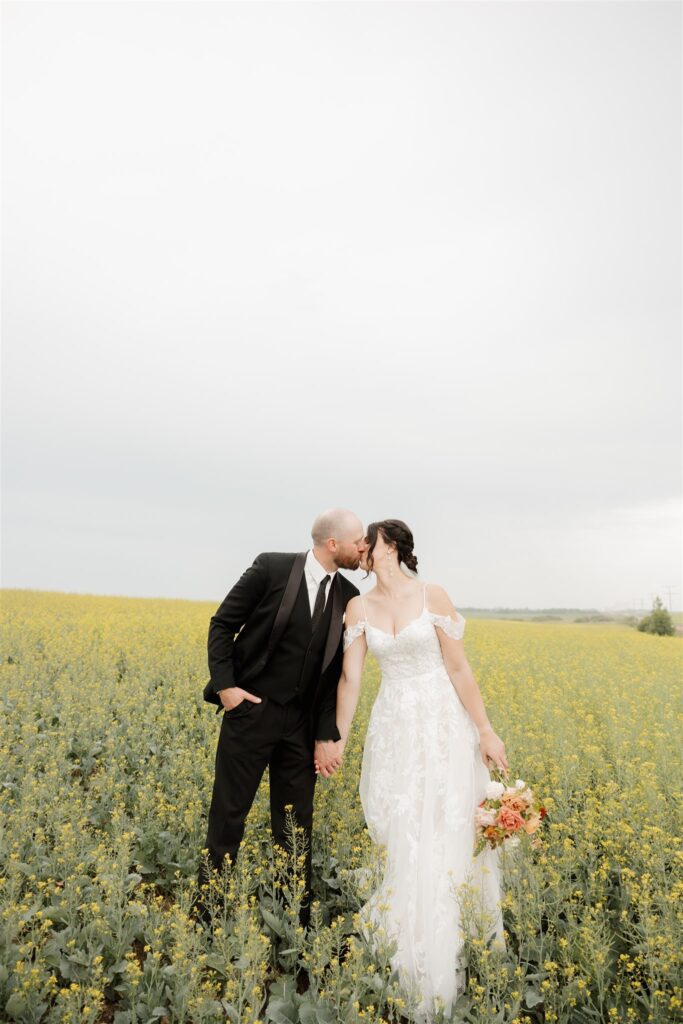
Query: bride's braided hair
x=394, y=531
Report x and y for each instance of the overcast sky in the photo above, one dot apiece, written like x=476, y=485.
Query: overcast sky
x=418, y=259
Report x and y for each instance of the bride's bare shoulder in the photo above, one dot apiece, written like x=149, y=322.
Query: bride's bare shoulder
x=353, y=612
x=438, y=600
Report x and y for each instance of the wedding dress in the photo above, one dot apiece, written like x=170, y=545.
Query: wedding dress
x=422, y=777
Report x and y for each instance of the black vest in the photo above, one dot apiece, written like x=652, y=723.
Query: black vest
x=294, y=666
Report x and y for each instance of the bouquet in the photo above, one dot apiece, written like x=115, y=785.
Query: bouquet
x=506, y=811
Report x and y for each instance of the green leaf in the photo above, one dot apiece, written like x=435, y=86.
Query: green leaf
x=463, y=1004
x=307, y=1014
x=65, y=968
x=56, y=913
x=78, y=956
x=273, y=922
x=280, y=1012
x=15, y=1005
x=216, y=962
x=532, y=997
x=310, y=1013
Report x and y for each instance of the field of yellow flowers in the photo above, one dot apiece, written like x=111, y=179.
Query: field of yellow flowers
x=107, y=754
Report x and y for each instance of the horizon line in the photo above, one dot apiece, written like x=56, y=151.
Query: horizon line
x=468, y=607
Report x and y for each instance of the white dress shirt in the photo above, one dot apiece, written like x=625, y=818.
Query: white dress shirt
x=315, y=573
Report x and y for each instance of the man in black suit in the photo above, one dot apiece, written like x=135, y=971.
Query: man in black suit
x=275, y=656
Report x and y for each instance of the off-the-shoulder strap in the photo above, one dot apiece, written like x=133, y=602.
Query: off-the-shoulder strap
x=353, y=632
x=452, y=627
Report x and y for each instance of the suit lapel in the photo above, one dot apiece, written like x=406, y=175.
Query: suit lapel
x=335, y=629
x=288, y=599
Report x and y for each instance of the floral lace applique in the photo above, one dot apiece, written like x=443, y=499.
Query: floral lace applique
x=452, y=627
x=353, y=632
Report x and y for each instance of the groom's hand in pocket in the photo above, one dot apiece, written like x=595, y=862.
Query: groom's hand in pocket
x=327, y=757
x=231, y=696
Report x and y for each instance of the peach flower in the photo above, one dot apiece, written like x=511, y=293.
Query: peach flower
x=510, y=819
x=514, y=801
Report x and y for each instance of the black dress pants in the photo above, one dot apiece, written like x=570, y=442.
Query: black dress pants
x=252, y=737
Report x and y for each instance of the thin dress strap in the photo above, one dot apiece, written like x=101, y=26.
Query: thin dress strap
x=365, y=614
x=424, y=603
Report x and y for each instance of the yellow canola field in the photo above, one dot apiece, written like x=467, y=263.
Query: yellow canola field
x=107, y=755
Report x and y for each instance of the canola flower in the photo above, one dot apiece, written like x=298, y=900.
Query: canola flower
x=107, y=754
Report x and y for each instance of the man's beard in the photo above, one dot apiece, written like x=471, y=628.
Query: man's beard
x=348, y=562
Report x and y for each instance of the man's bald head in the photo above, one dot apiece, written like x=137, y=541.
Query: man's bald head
x=336, y=524
x=338, y=538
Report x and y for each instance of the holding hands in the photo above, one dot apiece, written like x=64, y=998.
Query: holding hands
x=327, y=757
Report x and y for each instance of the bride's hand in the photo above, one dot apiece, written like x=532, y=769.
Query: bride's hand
x=327, y=757
x=493, y=749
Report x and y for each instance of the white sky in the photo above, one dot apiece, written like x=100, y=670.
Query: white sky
x=422, y=260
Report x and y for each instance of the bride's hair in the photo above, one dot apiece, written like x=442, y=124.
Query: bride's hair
x=394, y=531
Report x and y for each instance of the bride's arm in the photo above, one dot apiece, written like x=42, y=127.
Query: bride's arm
x=463, y=680
x=348, y=689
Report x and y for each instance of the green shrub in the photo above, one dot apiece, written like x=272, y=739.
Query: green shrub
x=658, y=621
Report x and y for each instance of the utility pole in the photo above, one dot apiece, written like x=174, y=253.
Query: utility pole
x=670, y=587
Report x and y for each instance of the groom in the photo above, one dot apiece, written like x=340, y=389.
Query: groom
x=275, y=655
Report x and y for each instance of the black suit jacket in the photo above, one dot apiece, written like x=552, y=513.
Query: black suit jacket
x=248, y=624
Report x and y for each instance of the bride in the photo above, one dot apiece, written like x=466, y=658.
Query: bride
x=425, y=767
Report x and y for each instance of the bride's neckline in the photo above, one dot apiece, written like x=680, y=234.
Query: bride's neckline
x=395, y=636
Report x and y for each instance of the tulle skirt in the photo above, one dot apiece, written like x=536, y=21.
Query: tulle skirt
x=422, y=778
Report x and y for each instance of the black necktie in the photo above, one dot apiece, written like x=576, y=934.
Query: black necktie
x=319, y=604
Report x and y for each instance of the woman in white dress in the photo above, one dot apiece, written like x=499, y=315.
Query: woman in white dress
x=425, y=767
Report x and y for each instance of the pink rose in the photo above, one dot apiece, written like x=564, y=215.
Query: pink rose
x=510, y=819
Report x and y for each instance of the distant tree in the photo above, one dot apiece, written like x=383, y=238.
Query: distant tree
x=658, y=621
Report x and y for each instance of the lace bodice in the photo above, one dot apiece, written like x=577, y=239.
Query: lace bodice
x=415, y=650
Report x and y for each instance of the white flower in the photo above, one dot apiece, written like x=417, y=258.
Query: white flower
x=520, y=784
x=485, y=817
x=512, y=842
x=494, y=790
